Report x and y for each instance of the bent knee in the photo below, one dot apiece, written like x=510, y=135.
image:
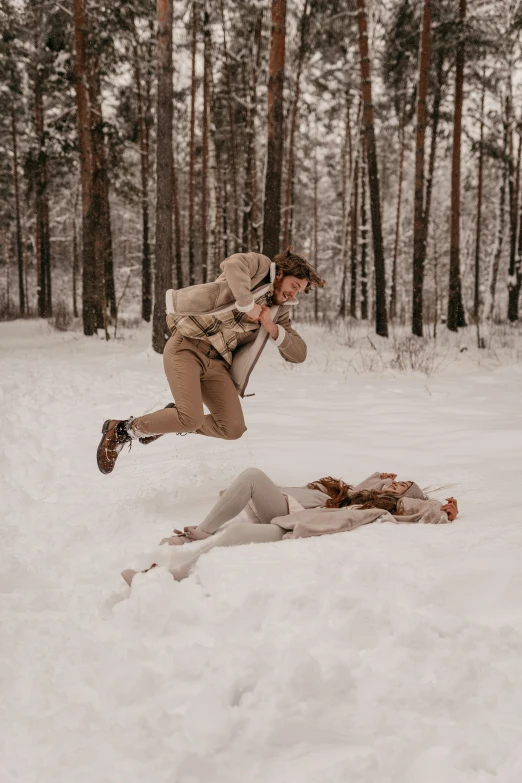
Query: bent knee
x=252, y=473
x=233, y=431
x=190, y=420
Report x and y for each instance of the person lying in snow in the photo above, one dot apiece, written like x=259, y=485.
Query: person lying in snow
x=322, y=507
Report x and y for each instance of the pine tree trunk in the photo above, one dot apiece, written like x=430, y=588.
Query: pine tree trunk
x=381, y=321
x=205, y=147
x=164, y=169
x=192, y=161
x=218, y=236
x=364, y=235
x=513, y=296
x=393, y=292
x=233, y=145
x=108, y=258
x=42, y=202
x=435, y=117
x=346, y=166
x=419, y=236
x=224, y=209
x=255, y=240
x=91, y=301
x=354, y=229
x=211, y=177
x=274, y=161
x=514, y=276
x=99, y=205
x=499, y=233
x=251, y=64
x=101, y=172
x=75, y=268
x=456, y=317
x=177, y=226
x=476, y=298
x=246, y=231
x=146, y=267
x=19, y=243
x=316, y=226
x=303, y=26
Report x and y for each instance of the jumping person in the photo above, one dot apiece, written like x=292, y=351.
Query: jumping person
x=219, y=331
x=322, y=507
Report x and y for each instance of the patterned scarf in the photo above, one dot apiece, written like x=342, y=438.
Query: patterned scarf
x=222, y=331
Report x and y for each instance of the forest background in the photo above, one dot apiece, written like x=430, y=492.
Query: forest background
x=141, y=144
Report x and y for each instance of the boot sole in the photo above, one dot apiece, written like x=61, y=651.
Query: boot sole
x=98, y=453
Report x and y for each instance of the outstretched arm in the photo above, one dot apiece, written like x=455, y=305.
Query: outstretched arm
x=427, y=512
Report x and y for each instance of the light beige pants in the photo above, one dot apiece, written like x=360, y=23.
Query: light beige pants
x=235, y=535
x=197, y=375
x=269, y=502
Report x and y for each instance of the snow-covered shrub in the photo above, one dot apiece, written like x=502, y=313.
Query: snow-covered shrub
x=417, y=353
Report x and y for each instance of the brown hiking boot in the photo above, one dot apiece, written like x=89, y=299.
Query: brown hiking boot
x=114, y=437
x=150, y=438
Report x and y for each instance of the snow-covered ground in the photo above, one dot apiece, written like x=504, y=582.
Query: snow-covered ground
x=392, y=654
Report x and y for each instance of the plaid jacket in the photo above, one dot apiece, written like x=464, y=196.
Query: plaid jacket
x=222, y=331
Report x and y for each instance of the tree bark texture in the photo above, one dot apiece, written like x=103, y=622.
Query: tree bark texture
x=346, y=166
x=192, y=160
x=364, y=235
x=233, y=143
x=42, y=203
x=303, y=27
x=419, y=237
x=478, y=236
x=146, y=266
x=381, y=321
x=90, y=288
x=274, y=161
x=456, y=317
x=177, y=225
x=19, y=243
x=164, y=181
x=500, y=230
x=393, y=291
x=354, y=230
x=514, y=273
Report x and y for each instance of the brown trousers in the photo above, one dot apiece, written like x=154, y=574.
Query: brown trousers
x=196, y=374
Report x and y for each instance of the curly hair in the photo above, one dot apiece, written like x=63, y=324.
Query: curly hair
x=342, y=495
x=290, y=263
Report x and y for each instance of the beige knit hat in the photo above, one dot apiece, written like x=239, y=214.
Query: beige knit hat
x=414, y=492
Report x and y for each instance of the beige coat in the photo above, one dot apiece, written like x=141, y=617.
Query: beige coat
x=242, y=274
x=323, y=521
